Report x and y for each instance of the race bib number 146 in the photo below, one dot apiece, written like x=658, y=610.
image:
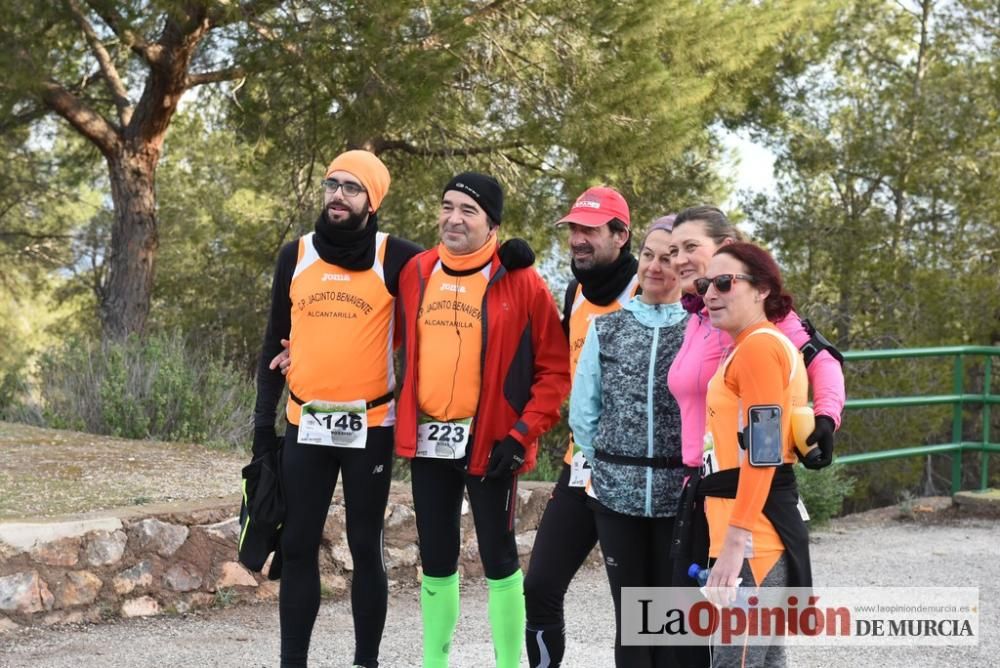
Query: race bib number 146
x=342, y=424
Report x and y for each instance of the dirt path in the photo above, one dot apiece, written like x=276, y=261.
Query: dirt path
x=49, y=472
x=939, y=552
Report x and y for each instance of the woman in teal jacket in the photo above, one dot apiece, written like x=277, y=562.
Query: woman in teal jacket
x=628, y=426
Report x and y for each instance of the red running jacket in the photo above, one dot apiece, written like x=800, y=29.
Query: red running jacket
x=524, y=361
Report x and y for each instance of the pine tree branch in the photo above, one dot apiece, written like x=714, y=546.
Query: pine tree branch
x=167, y=81
x=17, y=234
x=223, y=13
x=23, y=118
x=487, y=11
x=108, y=69
x=226, y=74
x=150, y=53
x=436, y=38
x=268, y=34
x=379, y=146
x=92, y=125
x=534, y=166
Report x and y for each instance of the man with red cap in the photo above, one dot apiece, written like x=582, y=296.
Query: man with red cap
x=333, y=299
x=604, y=280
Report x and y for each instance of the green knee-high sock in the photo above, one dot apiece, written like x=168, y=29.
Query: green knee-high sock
x=439, y=609
x=506, y=609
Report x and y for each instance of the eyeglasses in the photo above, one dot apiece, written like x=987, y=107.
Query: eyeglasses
x=350, y=189
x=722, y=282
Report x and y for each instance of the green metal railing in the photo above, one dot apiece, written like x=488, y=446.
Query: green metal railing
x=958, y=399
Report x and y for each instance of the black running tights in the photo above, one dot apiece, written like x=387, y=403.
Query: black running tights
x=309, y=476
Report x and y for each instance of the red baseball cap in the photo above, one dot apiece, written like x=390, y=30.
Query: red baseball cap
x=596, y=207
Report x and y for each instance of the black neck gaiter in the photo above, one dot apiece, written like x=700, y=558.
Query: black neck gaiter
x=603, y=283
x=350, y=249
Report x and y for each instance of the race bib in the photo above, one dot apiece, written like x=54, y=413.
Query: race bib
x=340, y=424
x=443, y=440
x=579, y=470
x=709, y=462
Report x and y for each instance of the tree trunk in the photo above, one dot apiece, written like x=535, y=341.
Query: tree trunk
x=134, y=240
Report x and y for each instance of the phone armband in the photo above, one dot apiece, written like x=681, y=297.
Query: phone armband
x=766, y=445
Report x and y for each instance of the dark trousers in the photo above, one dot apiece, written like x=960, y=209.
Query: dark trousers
x=438, y=486
x=309, y=476
x=566, y=535
x=636, y=554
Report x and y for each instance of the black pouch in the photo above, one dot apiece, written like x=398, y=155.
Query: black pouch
x=262, y=514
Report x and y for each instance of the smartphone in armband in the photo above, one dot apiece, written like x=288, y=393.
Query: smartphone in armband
x=765, y=445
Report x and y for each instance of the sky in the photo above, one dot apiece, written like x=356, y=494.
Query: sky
x=751, y=167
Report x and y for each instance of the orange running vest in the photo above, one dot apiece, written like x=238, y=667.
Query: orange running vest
x=341, y=334
x=581, y=313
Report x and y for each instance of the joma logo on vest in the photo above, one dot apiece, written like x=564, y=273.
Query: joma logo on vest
x=452, y=287
x=336, y=277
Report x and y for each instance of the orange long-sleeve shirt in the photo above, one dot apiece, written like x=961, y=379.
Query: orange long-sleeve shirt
x=764, y=369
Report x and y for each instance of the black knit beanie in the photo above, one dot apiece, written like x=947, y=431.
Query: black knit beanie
x=483, y=188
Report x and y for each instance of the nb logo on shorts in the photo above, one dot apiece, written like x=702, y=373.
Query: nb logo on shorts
x=378, y=469
x=610, y=561
x=336, y=277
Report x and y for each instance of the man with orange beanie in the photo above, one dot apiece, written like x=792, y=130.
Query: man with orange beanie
x=333, y=299
x=333, y=304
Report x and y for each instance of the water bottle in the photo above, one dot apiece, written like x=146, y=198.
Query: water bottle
x=699, y=574
x=803, y=424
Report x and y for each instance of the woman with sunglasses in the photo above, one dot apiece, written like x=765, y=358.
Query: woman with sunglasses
x=756, y=535
x=698, y=233
x=628, y=425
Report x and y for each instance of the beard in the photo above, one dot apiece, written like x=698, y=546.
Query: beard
x=587, y=262
x=354, y=220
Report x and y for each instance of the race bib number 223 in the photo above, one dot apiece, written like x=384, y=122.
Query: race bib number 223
x=443, y=440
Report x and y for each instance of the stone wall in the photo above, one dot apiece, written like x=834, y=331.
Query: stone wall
x=173, y=558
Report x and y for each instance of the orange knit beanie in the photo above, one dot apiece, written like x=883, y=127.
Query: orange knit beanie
x=368, y=169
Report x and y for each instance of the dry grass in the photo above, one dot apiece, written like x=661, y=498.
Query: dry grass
x=47, y=472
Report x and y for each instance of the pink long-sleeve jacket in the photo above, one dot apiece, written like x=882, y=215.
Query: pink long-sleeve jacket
x=699, y=358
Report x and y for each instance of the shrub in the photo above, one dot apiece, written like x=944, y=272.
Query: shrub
x=823, y=492
x=551, y=450
x=13, y=388
x=155, y=387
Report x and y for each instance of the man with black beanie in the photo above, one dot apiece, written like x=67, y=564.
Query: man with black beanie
x=486, y=372
x=604, y=280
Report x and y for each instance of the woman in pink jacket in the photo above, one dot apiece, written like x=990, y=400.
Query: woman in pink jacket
x=698, y=232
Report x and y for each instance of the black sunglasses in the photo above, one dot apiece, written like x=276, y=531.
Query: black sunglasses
x=350, y=189
x=722, y=282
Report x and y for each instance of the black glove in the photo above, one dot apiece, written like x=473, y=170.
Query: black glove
x=823, y=435
x=516, y=254
x=507, y=457
x=265, y=439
